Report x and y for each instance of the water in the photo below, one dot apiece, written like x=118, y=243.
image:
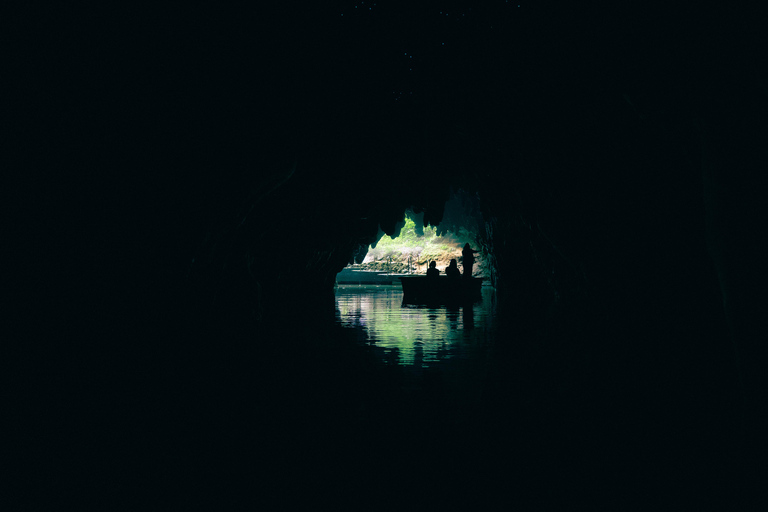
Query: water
x=466, y=399
x=416, y=336
x=433, y=362
x=434, y=407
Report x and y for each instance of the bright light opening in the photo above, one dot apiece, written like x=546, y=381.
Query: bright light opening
x=411, y=250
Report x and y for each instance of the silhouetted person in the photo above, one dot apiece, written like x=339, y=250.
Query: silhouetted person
x=432, y=270
x=452, y=270
x=468, y=259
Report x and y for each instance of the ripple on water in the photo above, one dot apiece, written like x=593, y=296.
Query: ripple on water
x=416, y=335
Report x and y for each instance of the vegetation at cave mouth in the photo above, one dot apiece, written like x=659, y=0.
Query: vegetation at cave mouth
x=411, y=252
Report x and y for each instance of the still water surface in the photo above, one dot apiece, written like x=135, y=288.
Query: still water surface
x=416, y=336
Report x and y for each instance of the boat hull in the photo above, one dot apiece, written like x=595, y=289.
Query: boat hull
x=440, y=290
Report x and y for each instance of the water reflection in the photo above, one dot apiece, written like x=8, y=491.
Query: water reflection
x=410, y=334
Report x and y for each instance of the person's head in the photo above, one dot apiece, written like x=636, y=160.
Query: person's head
x=432, y=264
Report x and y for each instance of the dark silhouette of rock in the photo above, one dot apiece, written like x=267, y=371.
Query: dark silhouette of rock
x=188, y=186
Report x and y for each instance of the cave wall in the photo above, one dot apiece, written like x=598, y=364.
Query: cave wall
x=161, y=161
x=617, y=155
x=616, y=177
x=596, y=175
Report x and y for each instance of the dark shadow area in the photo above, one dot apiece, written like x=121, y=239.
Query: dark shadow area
x=185, y=187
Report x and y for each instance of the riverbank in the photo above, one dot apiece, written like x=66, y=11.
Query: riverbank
x=416, y=262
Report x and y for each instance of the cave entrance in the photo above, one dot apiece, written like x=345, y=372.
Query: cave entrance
x=439, y=336
x=413, y=245
x=411, y=250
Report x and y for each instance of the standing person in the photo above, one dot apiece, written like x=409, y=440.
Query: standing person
x=468, y=259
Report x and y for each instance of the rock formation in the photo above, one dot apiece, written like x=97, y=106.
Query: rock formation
x=617, y=158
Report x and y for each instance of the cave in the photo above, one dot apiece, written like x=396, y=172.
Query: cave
x=214, y=173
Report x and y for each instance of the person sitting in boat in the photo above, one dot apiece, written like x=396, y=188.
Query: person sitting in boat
x=468, y=259
x=432, y=270
x=452, y=270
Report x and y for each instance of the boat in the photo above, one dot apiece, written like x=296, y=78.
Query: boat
x=441, y=289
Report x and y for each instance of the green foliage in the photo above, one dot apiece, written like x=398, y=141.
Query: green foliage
x=410, y=251
x=420, y=248
x=408, y=239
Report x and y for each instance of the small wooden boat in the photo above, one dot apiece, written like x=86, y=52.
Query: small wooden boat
x=441, y=289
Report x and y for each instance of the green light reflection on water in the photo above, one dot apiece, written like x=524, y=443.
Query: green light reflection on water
x=410, y=335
